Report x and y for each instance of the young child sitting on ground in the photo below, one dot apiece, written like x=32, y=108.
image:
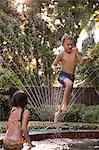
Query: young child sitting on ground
x=17, y=123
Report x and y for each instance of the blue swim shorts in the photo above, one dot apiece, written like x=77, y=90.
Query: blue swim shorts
x=63, y=75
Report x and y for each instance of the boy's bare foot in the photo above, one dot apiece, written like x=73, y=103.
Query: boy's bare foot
x=57, y=117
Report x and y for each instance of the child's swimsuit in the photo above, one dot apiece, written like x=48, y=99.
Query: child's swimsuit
x=63, y=75
x=13, y=144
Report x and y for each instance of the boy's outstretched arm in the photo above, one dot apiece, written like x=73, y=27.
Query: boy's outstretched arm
x=55, y=62
x=82, y=60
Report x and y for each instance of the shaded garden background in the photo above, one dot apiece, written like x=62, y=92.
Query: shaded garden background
x=29, y=31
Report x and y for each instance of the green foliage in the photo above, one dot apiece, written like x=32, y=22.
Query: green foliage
x=9, y=78
x=43, y=113
x=90, y=71
x=27, y=41
x=33, y=114
x=9, y=31
x=28, y=36
x=78, y=113
x=75, y=113
x=4, y=107
x=3, y=129
x=4, y=80
x=91, y=114
x=82, y=113
x=14, y=79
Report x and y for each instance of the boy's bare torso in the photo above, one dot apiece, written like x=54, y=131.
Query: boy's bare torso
x=67, y=60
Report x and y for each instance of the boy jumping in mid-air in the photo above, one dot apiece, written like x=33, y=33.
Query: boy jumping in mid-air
x=68, y=59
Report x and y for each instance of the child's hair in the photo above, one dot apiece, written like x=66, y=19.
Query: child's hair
x=66, y=36
x=19, y=99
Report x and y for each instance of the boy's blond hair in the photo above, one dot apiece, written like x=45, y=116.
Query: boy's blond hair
x=66, y=36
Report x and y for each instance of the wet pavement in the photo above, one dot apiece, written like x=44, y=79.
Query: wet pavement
x=65, y=144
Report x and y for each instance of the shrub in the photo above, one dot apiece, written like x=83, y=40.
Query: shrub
x=91, y=114
x=33, y=114
x=82, y=113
